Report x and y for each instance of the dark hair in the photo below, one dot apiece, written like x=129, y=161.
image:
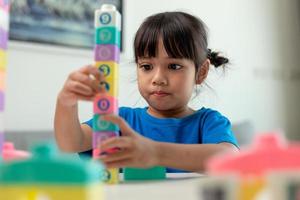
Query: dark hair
x=183, y=36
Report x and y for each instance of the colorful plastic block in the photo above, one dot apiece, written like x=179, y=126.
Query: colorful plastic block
x=46, y=166
x=9, y=152
x=111, y=87
x=111, y=176
x=2, y=60
x=3, y=38
x=107, y=35
x=154, y=173
x=107, y=56
x=109, y=69
x=105, y=104
x=4, y=5
x=111, y=73
x=107, y=52
x=108, y=16
x=53, y=192
x=2, y=80
x=270, y=152
x=101, y=125
x=99, y=137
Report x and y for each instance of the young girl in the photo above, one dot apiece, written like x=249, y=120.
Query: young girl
x=172, y=57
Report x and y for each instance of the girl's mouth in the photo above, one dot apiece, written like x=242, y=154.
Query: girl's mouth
x=160, y=93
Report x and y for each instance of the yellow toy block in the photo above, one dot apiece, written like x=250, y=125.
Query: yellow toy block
x=110, y=71
x=111, y=176
x=251, y=187
x=2, y=80
x=57, y=192
x=2, y=60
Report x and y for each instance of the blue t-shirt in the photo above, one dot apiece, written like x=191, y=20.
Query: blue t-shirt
x=205, y=126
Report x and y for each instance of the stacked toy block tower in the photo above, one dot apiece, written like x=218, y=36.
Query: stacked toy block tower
x=107, y=56
x=4, y=25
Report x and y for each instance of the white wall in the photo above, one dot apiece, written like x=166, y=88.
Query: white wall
x=260, y=37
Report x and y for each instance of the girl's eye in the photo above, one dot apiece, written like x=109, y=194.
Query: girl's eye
x=146, y=67
x=174, y=66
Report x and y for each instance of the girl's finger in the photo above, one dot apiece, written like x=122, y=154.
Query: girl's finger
x=119, y=155
x=120, y=142
x=119, y=163
x=80, y=88
x=85, y=79
x=92, y=70
x=124, y=127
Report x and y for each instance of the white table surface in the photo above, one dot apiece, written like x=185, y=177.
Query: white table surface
x=177, y=186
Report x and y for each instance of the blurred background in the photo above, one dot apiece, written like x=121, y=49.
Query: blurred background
x=258, y=92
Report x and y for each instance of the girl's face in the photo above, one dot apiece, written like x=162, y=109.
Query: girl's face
x=166, y=83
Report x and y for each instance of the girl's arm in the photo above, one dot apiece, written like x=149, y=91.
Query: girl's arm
x=190, y=157
x=138, y=151
x=70, y=135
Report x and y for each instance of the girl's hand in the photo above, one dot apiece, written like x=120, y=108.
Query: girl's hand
x=135, y=150
x=82, y=84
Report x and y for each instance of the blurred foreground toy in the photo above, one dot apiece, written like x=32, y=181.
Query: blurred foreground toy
x=48, y=175
x=154, y=173
x=9, y=152
x=251, y=169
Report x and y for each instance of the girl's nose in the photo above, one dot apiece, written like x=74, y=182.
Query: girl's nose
x=159, y=78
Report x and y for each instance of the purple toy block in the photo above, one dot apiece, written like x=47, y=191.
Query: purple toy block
x=107, y=53
x=99, y=137
x=1, y=101
x=3, y=39
x=105, y=104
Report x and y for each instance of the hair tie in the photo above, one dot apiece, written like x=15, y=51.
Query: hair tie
x=209, y=54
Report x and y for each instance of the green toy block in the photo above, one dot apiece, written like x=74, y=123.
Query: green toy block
x=101, y=125
x=154, y=173
x=48, y=167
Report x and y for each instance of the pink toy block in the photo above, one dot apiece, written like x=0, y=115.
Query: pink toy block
x=105, y=104
x=4, y=4
x=107, y=53
x=270, y=152
x=10, y=153
x=97, y=152
x=99, y=137
x=3, y=38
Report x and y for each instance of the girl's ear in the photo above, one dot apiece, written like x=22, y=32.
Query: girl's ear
x=203, y=72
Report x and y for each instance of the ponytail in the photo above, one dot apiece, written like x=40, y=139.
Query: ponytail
x=216, y=59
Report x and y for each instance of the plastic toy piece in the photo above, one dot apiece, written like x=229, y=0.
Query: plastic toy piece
x=108, y=16
x=2, y=81
x=2, y=60
x=110, y=72
x=111, y=176
x=104, y=104
x=3, y=38
x=101, y=125
x=107, y=52
x=49, y=175
x=154, y=173
x=9, y=152
x=98, y=137
x=4, y=5
x=270, y=152
x=107, y=35
x=107, y=57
